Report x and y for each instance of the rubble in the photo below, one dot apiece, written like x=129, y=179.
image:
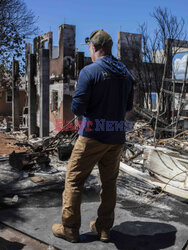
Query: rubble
x=35, y=170
x=163, y=164
x=43, y=165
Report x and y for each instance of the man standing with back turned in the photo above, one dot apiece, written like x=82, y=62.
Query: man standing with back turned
x=103, y=95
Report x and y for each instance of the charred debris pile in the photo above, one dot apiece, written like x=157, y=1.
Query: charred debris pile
x=160, y=163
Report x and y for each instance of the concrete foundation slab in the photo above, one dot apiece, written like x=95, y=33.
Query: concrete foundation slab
x=36, y=216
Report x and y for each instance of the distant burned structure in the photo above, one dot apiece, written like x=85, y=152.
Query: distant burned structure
x=51, y=72
x=149, y=76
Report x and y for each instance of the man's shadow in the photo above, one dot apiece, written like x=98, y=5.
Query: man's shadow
x=139, y=235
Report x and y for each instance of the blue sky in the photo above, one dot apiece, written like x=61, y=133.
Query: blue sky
x=111, y=15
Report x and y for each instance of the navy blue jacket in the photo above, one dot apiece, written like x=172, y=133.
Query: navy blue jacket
x=103, y=94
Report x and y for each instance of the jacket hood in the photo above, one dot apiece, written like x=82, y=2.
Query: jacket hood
x=111, y=64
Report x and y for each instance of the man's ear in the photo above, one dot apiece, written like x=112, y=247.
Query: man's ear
x=93, y=48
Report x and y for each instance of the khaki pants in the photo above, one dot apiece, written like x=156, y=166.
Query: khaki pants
x=86, y=153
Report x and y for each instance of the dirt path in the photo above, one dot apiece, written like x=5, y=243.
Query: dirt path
x=7, y=144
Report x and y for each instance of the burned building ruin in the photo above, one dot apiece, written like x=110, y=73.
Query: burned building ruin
x=52, y=71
